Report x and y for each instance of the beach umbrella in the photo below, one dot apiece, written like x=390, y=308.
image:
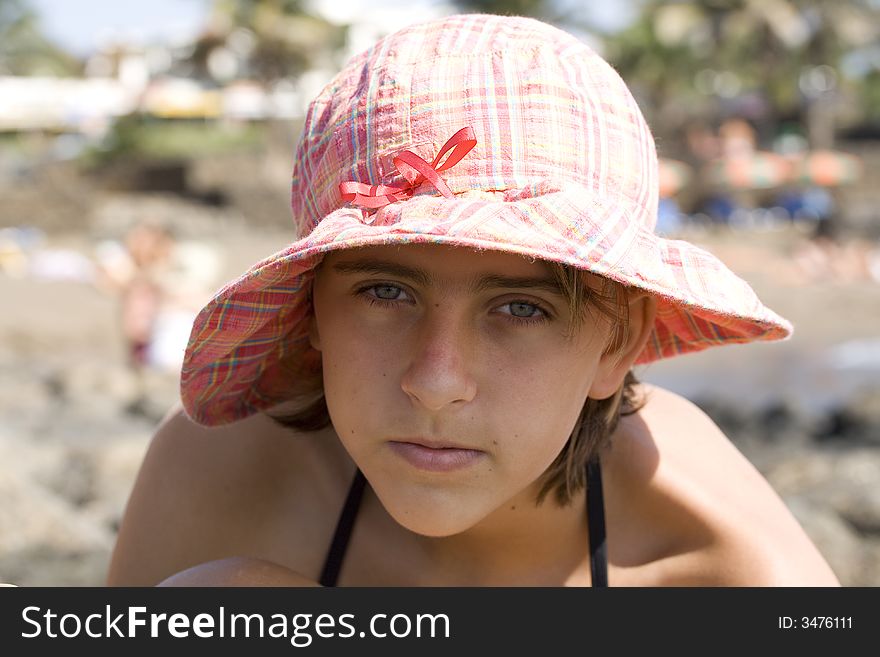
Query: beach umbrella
x=826, y=168
x=758, y=170
x=673, y=176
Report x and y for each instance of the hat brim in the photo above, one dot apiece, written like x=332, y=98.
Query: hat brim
x=231, y=365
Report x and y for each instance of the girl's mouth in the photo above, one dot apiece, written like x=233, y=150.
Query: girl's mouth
x=444, y=459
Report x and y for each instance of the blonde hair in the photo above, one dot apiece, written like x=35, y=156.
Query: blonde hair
x=599, y=417
x=594, y=426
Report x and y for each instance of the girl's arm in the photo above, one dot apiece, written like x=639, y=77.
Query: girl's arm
x=238, y=571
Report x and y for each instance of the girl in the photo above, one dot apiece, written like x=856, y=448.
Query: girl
x=433, y=384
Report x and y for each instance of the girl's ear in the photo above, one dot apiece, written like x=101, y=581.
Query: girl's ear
x=613, y=366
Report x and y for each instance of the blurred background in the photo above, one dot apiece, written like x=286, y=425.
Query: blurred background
x=145, y=154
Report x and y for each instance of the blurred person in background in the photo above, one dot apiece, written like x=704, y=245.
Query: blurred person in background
x=139, y=275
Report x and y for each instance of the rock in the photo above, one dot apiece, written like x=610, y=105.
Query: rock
x=836, y=540
x=21, y=397
x=73, y=479
x=116, y=468
x=804, y=473
x=871, y=571
x=32, y=516
x=46, y=565
x=856, y=422
x=855, y=494
x=845, y=482
x=91, y=382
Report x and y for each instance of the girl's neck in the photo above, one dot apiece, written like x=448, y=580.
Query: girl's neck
x=519, y=544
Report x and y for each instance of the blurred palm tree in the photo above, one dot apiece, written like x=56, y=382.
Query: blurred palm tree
x=571, y=15
x=540, y=9
x=24, y=50
x=271, y=39
x=687, y=57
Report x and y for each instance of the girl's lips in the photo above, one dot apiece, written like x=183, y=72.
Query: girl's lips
x=435, y=460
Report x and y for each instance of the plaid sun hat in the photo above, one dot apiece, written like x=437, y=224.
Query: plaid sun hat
x=485, y=132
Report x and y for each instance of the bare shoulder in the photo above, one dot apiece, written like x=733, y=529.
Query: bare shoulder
x=721, y=522
x=204, y=494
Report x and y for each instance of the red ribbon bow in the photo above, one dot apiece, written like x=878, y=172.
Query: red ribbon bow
x=415, y=170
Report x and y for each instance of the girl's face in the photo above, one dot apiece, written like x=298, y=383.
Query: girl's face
x=428, y=344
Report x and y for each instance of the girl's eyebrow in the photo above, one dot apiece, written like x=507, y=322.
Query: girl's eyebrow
x=426, y=279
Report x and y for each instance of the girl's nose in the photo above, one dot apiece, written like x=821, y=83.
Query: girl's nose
x=439, y=373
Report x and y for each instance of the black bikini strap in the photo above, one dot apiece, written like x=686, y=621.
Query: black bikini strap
x=596, y=518
x=333, y=563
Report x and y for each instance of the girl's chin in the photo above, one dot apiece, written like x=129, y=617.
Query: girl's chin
x=429, y=517
x=442, y=528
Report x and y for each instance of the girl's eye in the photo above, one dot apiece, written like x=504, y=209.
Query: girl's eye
x=387, y=292
x=525, y=310
x=522, y=312
x=383, y=294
